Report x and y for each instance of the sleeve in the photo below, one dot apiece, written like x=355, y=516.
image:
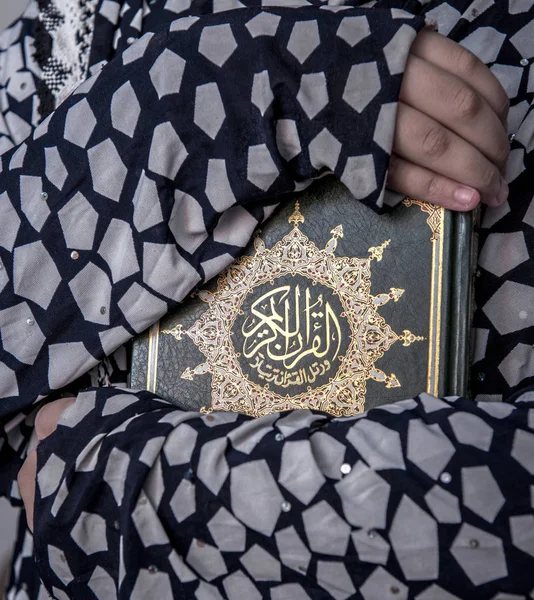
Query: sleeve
x=135, y=498
x=152, y=176
x=20, y=77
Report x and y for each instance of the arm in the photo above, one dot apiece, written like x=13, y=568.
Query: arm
x=113, y=216
x=193, y=506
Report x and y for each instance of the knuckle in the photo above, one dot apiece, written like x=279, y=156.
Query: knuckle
x=467, y=102
x=466, y=62
x=434, y=187
x=435, y=142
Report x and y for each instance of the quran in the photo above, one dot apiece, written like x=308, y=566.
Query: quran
x=331, y=307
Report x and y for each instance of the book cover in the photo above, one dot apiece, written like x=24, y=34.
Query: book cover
x=332, y=307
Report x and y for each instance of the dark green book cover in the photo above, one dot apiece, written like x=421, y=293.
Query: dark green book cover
x=331, y=307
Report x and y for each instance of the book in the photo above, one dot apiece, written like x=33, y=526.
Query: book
x=331, y=307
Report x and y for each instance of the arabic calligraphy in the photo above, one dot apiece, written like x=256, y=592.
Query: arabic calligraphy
x=287, y=326
x=284, y=378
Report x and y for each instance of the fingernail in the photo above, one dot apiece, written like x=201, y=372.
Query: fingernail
x=464, y=196
x=503, y=193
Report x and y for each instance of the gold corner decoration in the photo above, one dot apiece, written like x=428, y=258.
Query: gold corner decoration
x=291, y=338
x=435, y=215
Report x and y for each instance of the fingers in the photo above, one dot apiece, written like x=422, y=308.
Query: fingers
x=26, y=480
x=47, y=418
x=412, y=180
x=425, y=142
x=450, y=101
x=459, y=61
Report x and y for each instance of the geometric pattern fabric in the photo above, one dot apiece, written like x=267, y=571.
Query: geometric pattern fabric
x=94, y=248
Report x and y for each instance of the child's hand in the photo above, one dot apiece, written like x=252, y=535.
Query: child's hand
x=450, y=145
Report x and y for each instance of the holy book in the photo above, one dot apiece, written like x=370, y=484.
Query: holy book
x=332, y=307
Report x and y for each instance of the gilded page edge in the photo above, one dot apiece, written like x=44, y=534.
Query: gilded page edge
x=436, y=288
x=153, y=350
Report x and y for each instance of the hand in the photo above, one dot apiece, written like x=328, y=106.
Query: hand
x=450, y=145
x=45, y=424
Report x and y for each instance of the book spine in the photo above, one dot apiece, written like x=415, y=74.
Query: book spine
x=461, y=299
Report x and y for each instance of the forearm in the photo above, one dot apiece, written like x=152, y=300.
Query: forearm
x=134, y=494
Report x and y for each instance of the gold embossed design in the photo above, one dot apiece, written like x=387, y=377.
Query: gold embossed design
x=435, y=220
x=348, y=278
x=291, y=334
x=177, y=332
x=409, y=338
x=435, y=215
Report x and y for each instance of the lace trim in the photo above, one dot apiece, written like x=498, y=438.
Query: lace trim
x=63, y=41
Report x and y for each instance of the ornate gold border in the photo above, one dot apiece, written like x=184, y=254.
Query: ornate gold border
x=435, y=313
x=436, y=222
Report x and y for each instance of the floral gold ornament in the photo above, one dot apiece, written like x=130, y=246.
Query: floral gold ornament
x=294, y=317
x=435, y=215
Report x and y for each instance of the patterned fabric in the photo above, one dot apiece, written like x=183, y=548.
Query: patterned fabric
x=409, y=500
x=67, y=27
x=149, y=179
x=19, y=77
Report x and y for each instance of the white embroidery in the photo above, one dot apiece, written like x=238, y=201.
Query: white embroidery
x=70, y=24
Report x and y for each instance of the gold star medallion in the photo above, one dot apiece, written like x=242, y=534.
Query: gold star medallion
x=294, y=326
